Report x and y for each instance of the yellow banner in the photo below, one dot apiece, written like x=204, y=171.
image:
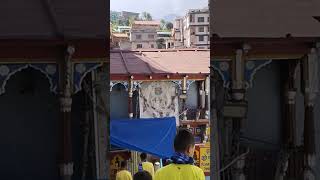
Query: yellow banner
x=205, y=159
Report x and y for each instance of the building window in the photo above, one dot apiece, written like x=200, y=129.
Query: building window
x=139, y=46
x=151, y=36
x=201, y=29
x=138, y=36
x=200, y=19
x=152, y=46
x=201, y=38
x=208, y=19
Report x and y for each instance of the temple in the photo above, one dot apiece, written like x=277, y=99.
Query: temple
x=157, y=84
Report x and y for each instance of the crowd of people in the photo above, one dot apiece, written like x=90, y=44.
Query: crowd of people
x=181, y=164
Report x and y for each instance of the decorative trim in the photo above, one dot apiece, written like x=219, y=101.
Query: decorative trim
x=251, y=68
x=189, y=82
x=178, y=83
x=123, y=83
x=223, y=68
x=136, y=85
x=80, y=72
x=66, y=169
x=50, y=70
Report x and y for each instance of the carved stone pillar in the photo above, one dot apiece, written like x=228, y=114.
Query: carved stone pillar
x=207, y=87
x=130, y=96
x=238, y=98
x=238, y=173
x=200, y=91
x=102, y=92
x=310, y=79
x=66, y=164
x=238, y=76
x=184, y=97
x=286, y=162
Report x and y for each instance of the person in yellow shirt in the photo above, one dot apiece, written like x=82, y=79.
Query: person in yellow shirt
x=182, y=164
x=145, y=165
x=123, y=173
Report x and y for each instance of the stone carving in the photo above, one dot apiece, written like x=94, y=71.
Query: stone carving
x=80, y=72
x=49, y=70
x=158, y=99
x=65, y=104
x=4, y=70
x=223, y=68
x=66, y=169
x=251, y=68
x=123, y=83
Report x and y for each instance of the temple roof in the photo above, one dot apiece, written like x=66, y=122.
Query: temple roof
x=159, y=63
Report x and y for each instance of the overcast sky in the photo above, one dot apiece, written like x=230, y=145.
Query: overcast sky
x=157, y=8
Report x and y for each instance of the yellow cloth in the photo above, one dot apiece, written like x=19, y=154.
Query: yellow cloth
x=124, y=175
x=148, y=166
x=180, y=172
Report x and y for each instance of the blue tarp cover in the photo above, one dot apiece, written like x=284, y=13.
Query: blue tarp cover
x=153, y=136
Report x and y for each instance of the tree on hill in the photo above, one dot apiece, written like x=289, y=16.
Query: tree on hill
x=145, y=16
x=162, y=24
x=169, y=25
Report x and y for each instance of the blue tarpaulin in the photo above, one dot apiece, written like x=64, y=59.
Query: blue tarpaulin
x=153, y=136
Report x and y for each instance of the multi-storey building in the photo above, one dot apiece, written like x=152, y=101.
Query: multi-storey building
x=126, y=15
x=178, y=32
x=196, y=28
x=165, y=40
x=192, y=31
x=143, y=34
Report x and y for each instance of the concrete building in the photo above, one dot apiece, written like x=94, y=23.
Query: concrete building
x=143, y=34
x=178, y=32
x=196, y=28
x=192, y=31
x=127, y=15
x=120, y=41
x=123, y=29
x=165, y=40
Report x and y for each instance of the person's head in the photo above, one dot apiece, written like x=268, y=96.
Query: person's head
x=142, y=175
x=143, y=156
x=123, y=164
x=184, y=142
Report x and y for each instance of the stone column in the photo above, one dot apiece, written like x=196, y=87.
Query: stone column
x=238, y=98
x=310, y=79
x=199, y=85
x=66, y=164
x=102, y=92
x=289, y=122
x=184, y=97
x=207, y=88
x=130, y=96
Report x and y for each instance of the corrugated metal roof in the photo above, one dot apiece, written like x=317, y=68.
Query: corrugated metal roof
x=146, y=23
x=151, y=62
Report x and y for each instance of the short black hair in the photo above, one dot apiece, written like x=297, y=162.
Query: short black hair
x=123, y=164
x=142, y=175
x=143, y=156
x=183, y=140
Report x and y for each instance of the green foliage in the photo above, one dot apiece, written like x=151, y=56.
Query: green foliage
x=145, y=16
x=169, y=25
